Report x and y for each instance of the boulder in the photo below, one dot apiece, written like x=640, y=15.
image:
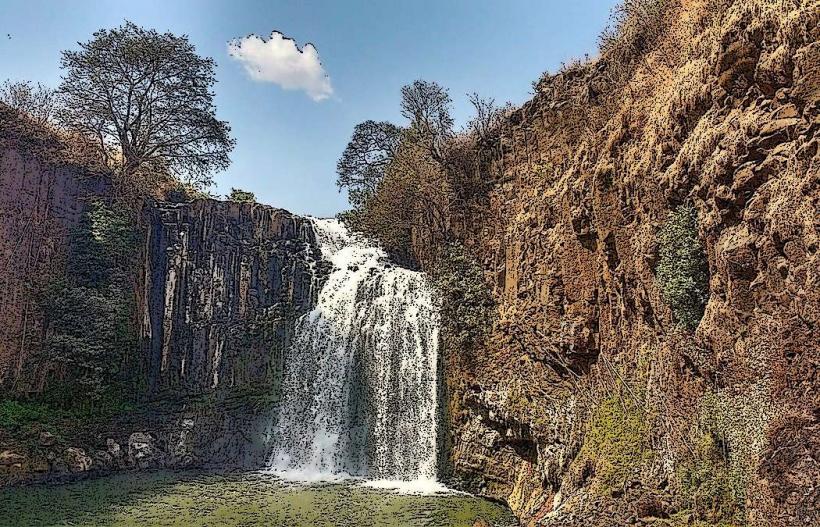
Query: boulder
x=143, y=451
x=113, y=448
x=77, y=460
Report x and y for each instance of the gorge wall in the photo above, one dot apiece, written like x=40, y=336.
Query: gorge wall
x=42, y=193
x=223, y=285
x=216, y=287
x=588, y=403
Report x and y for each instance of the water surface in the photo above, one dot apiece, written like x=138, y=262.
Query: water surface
x=203, y=499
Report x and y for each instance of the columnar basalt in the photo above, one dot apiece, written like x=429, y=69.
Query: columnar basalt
x=43, y=189
x=224, y=283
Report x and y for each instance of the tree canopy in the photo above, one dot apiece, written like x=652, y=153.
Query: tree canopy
x=364, y=160
x=145, y=98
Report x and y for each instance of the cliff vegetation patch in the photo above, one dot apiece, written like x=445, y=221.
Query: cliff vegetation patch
x=89, y=312
x=615, y=444
x=682, y=271
x=467, y=309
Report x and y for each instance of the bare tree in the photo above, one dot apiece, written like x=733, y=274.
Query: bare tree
x=487, y=117
x=427, y=106
x=365, y=159
x=146, y=99
x=36, y=100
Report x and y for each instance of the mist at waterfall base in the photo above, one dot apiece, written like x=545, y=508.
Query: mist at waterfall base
x=359, y=390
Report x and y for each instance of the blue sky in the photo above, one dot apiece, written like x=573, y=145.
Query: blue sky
x=288, y=142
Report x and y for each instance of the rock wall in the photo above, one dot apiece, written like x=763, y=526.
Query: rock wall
x=223, y=285
x=587, y=404
x=42, y=196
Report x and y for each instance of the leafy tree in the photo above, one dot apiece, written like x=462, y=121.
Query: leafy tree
x=145, y=97
x=365, y=159
x=427, y=106
x=241, y=196
x=36, y=100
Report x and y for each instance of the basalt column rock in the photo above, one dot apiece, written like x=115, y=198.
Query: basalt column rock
x=44, y=184
x=223, y=283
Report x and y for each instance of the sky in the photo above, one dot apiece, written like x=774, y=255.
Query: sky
x=292, y=104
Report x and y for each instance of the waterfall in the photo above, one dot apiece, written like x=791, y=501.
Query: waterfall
x=360, y=378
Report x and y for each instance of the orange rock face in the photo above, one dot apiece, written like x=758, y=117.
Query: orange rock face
x=722, y=113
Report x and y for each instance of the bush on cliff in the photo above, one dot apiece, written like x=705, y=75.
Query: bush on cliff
x=89, y=312
x=682, y=271
x=241, y=196
x=467, y=309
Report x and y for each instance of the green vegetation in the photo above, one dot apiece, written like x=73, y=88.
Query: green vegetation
x=146, y=101
x=404, y=183
x=682, y=271
x=253, y=499
x=711, y=488
x=241, y=196
x=17, y=414
x=467, y=308
x=54, y=412
x=90, y=312
x=616, y=443
x=728, y=440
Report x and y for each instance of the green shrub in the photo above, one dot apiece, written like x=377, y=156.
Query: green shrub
x=61, y=409
x=467, y=307
x=90, y=312
x=616, y=442
x=16, y=414
x=710, y=487
x=241, y=196
x=682, y=271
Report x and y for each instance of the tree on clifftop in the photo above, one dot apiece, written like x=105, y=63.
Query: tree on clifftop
x=36, y=101
x=146, y=100
x=362, y=165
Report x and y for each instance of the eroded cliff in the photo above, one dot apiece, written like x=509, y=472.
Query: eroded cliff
x=590, y=403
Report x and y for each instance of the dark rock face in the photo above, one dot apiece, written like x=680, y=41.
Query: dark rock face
x=41, y=198
x=218, y=287
x=223, y=285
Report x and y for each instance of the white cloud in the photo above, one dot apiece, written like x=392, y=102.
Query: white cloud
x=280, y=61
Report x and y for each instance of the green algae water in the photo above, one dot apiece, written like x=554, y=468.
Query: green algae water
x=251, y=499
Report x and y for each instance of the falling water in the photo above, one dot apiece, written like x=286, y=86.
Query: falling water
x=360, y=388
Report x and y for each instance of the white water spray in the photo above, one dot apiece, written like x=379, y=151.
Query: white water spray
x=360, y=379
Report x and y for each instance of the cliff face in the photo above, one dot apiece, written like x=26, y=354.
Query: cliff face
x=588, y=403
x=218, y=288
x=217, y=285
x=223, y=285
x=41, y=198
